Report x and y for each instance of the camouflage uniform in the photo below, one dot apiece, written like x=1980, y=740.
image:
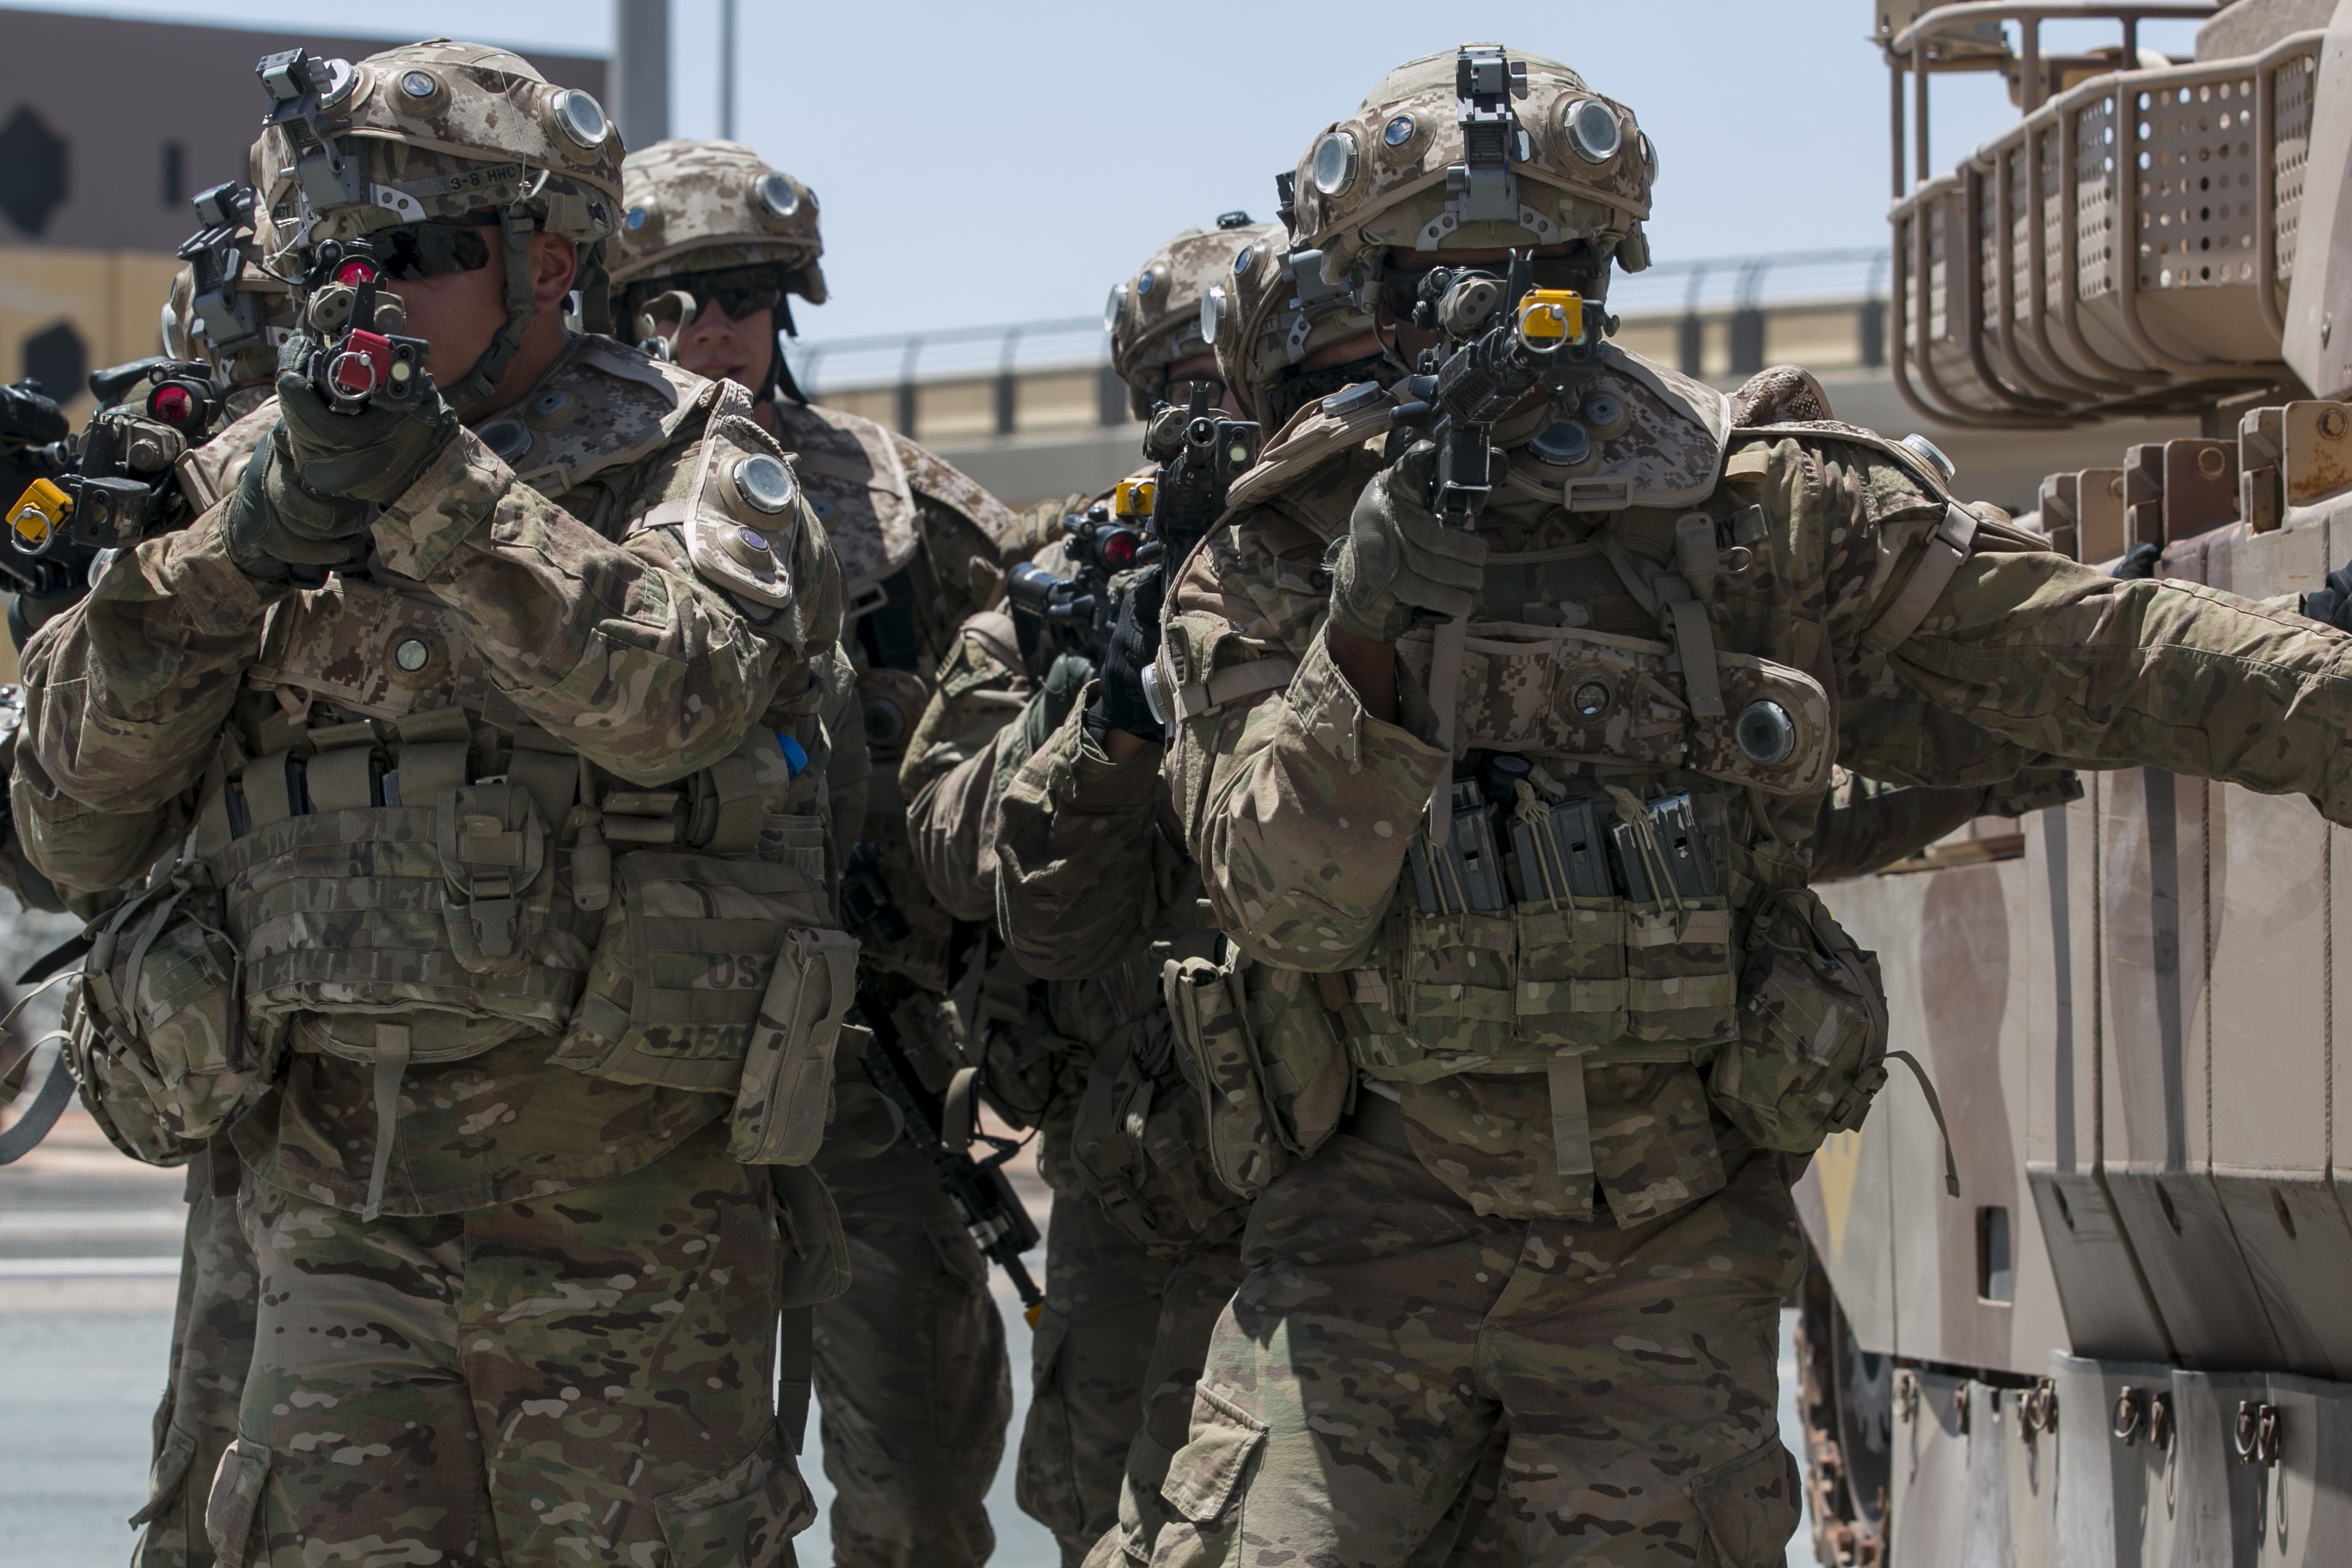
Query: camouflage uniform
x=911, y=1368
x=1558, y=1200
x=463, y=1001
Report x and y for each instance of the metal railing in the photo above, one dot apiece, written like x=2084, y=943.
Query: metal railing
x=1732, y=295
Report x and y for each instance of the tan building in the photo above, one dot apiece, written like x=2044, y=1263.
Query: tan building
x=95, y=185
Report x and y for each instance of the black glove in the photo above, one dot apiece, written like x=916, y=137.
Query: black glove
x=1118, y=702
x=277, y=529
x=2333, y=603
x=373, y=455
x=2138, y=562
x=308, y=500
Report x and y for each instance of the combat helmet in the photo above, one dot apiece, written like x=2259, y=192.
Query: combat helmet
x=1272, y=310
x=427, y=133
x=1475, y=148
x=1156, y=318
x=714, y=212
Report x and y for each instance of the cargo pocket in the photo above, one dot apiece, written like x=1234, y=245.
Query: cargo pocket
x=1045, y=1482
x=233, y=1510
x=1749, y=1505
x=1811, y=1051
x=1208, y=1469
x=744, y=1517
x=787, y=1089
x=169, y=1476
x=816, y=1252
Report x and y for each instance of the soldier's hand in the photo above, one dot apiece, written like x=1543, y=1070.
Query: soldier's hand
x=2332, y=603
x=373, y=455
x=1398, y=556
x=1050, y=705
x=277, y=528
x=1118, y=702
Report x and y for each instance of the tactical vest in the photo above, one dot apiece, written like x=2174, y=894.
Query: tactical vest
x=1606, y=890
x=405, y=869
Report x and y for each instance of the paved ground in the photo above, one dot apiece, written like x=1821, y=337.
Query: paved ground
x=89, y=1252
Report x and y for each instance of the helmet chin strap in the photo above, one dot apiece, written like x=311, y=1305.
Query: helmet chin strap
x=779, y=373
x=516, y=226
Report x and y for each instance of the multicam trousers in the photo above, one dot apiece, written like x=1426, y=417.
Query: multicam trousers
x=584, y=1378
x=212, y=1344
x=913, y=1388
x=1385, y=1333
x=1091, y=1365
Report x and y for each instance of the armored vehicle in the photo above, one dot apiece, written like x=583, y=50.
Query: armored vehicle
x=2128, y=1341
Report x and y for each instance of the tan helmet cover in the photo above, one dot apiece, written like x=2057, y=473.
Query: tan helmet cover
x=1155, y=317
x=1271, y=317
x=706, y=206
x=442, y=129
x=1389, y=175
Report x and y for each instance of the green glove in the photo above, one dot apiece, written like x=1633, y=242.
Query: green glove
x=275, y=528
x=1398, y=556
x=373, y=454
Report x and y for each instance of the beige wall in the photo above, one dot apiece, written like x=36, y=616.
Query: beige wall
x=113, y=297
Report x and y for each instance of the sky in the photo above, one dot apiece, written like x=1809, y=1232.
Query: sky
x=979, y=164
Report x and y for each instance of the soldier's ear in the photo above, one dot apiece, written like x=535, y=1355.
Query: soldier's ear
x=554, y=262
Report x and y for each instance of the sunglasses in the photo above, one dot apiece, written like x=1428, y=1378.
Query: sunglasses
x=739, y=291
x=415, y=250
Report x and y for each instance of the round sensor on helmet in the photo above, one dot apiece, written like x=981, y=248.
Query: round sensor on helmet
x=1593, y=129
x=1212, y=313
x=582, y=118
x=1335, y=163
x=418, y=84
x=1398, y=131
x=1649, y=153
x=777, y=196
x=1114, y=308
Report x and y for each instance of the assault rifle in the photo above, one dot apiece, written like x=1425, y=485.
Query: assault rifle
x=1149, y=520
x=984, y=1196
x=110, y=486
x=1502, y=340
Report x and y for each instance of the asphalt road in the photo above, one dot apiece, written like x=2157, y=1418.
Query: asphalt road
x=88, y=1257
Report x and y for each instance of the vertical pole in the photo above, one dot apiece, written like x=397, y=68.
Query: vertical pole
x=640, y=78
x=1894, y=125
x=2032, y=83
x=1919, y=106
x=727, y=70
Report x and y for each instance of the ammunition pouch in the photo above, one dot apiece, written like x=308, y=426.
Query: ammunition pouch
x=156, y=1027
x=1811, y=1051
x=687, y=958
x=1140, y=1142
x=1601, y=930
x=1259, y=1048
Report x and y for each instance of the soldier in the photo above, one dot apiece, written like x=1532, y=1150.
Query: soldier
x=1572, y=1081
x=911, y=1373
x=474, y=690
x=1108, y=1269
